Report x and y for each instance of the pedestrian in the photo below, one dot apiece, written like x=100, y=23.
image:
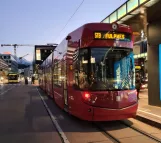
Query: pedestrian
x=26, y=80
x=138, y=84
x=32, y=80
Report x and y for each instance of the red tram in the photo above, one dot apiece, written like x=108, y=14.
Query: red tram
x=91, y=73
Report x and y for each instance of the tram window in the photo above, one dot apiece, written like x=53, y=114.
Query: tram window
x=81, y=69
x=55, y=80
x=57, y=73
x=63, y=71
x=106, y=71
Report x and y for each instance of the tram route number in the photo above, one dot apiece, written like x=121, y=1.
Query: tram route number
x=107, y=35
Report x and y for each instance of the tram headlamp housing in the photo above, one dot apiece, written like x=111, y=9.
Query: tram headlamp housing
x=115, y=26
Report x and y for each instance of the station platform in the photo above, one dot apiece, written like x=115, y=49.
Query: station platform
x=147, y=113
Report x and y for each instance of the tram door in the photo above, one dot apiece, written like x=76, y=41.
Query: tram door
x=64, y=76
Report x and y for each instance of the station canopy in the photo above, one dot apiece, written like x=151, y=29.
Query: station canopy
x=128, y=10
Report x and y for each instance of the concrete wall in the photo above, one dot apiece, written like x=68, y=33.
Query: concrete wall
x=154, y=39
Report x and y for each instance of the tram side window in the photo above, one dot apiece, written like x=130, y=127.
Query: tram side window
x=55, y=79
x=50, y=74
x=63, y=71
x=81, y=69
x=57, y=73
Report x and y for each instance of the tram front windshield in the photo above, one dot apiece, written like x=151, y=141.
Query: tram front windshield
x=106, y=69
x=13, y=77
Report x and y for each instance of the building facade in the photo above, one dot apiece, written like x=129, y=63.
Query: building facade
x=11, y=61
x=3, y=70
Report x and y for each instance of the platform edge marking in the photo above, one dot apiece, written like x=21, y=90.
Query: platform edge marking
x=53, y=118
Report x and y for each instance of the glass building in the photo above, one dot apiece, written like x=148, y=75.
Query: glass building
x=11, y=61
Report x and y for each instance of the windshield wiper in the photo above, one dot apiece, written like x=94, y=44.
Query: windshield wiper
x=106, y=55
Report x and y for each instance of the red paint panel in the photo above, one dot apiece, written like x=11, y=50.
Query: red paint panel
x=77, y=107
x=103, y=114
x=58, y=97
x=111, y=99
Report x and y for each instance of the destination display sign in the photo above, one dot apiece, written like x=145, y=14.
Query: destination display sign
x=112, y=36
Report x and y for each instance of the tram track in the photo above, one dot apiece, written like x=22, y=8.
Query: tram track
x=107, y=134
x=141, y=131
x=116, y=139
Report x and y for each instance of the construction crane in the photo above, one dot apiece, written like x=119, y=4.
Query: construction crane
x=23, y=56
x=15, y=46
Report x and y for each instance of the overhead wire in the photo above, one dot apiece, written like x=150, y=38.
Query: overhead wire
x=70, y=18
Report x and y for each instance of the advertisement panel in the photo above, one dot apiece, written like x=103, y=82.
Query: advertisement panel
x=123, y=73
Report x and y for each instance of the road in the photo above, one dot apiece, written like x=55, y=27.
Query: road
x=24, y=118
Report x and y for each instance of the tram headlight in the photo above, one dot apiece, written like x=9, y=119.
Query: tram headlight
x=86, y=97
x=114, y=26
x=89, y=98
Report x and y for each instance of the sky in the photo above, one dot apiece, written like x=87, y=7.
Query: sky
x=37, y=22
